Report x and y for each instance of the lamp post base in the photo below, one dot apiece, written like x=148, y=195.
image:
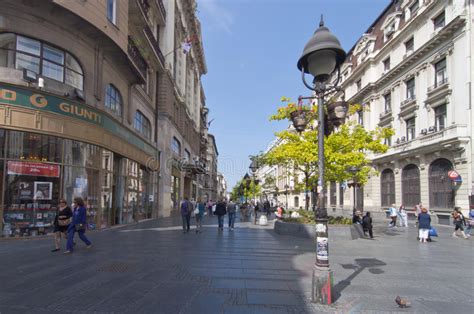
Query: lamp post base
x=322, y=285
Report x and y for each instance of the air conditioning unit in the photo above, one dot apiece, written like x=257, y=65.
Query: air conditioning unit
x=424, y=131
x=432, y=128
x=397, y=141
x=403, y=139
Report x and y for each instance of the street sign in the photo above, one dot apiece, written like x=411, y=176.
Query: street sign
x=452, y=174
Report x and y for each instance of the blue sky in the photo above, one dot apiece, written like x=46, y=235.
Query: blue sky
x=251, y=49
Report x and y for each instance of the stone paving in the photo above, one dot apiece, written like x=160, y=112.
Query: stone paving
x=152, y=267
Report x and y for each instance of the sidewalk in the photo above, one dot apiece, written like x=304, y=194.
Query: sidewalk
x=152, y=267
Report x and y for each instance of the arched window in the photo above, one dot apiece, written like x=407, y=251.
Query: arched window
x=113, y=99
x=387, y=183
x=411, y=186
x=142, y=124
x=23, y=52
x=441, y=193
x=297, y=202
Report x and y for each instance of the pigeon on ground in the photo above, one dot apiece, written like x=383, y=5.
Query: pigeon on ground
x=402, y=302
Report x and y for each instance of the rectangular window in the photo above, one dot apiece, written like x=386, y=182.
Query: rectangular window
x=359, y=85
x=388, y=102
x=360, y=117
x=388, y=141
x=24, y=61
x=112, y=11
x=409, y=45
x=386, y=64
x=440, y=72
x=410, y=129
x=332, y=194
x=341, y=194
x=28, y=45
x=410, y=84
x=414, y=8
x=439, y=21
x=440, y=117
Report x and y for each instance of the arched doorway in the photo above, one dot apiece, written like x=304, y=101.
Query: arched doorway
x=411, y=186
x=387, y=185
x=441, y=192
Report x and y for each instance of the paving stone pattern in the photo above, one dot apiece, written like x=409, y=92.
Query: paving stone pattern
x=152, y=267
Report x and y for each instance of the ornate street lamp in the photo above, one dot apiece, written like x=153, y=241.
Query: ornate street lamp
x=322, y=57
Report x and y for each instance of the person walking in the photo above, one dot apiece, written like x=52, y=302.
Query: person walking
x=61, y=223
x=367, y=225
x=393, y=216
x=266, y=207
x=231, y=211
x=185, y=211
x=459, y=222
x=78, y=224
x=199, y=213
x=402, y=214
x=220, y=213
x=255, y=211
x=209, y=207
x=470, y=222
x=424, y=225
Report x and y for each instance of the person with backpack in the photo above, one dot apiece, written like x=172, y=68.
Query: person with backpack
x=367, y=225
x=186, y=210
x=459, y=222
x=220, y=212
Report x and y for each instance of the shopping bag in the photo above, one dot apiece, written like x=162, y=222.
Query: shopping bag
x=433, y=232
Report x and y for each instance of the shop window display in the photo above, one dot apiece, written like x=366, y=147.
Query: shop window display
x=106, y=188
x=30, y=202
x=84, y=183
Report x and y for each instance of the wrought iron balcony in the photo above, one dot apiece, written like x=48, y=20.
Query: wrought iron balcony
x=154, y=43
x=136, y=57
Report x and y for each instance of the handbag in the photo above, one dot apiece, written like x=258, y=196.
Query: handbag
x=433, y=232
x=64, y=222
x=196, y=211
x=80, y=227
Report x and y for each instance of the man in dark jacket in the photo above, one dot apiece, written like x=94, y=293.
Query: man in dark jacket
x=220, y=212
x=367, y=224
x=424, y=225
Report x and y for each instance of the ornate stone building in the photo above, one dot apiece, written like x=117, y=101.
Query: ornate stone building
x=99, y=100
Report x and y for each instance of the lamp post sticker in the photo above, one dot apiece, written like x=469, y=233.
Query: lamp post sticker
x=320, y=228
x=322, y=248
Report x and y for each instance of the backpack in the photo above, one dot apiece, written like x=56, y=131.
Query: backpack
x=366, y=221
x=184, y=206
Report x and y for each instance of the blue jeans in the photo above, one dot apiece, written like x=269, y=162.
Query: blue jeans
x=70, y=238
x=220, y=219
x=231, y=220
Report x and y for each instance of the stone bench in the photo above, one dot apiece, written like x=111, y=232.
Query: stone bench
x=344, y=232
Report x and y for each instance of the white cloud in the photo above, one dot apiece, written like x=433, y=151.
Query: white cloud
x=219, y=16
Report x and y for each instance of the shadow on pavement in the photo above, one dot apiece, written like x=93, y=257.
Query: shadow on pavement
x=360, y=264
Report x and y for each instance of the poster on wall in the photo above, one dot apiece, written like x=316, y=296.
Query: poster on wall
x=43, y=190
x=25, y=191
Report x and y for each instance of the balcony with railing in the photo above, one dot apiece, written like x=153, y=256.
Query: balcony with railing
x=408, y=105
x=438, y=91
x=136, y=57
x=144, y=8
x=154, y=44
x=385, y=117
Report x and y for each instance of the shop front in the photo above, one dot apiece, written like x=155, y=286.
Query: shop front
x=37, y=169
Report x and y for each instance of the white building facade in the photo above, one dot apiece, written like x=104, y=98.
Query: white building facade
x=412, y=71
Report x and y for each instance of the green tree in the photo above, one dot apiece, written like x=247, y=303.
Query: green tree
x=242, y=189
x=347, y=146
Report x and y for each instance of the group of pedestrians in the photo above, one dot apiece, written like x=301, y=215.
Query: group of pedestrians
x=68, y=222
x=399, y=214
x=365, y=221
x=198, y=209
